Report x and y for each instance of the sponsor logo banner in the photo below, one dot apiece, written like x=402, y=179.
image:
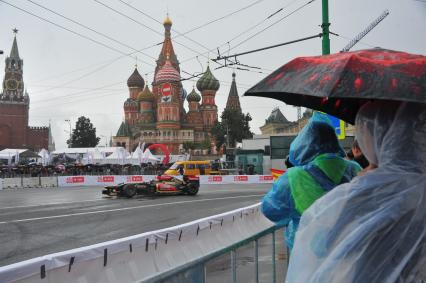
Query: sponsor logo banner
x=134, y=179
x=215, y=179
x=74, y=180
x=105, y=179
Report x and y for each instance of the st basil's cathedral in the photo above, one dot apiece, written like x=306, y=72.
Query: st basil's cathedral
x=158, y=115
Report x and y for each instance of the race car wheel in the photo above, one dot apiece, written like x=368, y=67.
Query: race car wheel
x=192, y=189
x=129, y=190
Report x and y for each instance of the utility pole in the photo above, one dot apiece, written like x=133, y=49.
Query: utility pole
x=325, y=29
x=69, y=122
x=227, y=136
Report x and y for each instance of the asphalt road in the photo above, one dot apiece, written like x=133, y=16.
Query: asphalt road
x=36, y=222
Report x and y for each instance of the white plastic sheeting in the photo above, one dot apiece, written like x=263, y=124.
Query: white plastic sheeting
x=141, y=256
x=372, y=229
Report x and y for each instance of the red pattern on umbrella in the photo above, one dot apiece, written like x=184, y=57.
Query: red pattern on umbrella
x=353, y=77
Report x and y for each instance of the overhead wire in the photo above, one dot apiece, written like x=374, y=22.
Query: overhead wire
x=66, y=29
x=76, y=33
x=89, y=28
x=76, y=94
x=142, y=24
x=109, y=62
x=157, y=21
x=274, y=23
x=245, y=31
x=80, y=35
x=348, y=38
x=156, y=44
x=86, y=75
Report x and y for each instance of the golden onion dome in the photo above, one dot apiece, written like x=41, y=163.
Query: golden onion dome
x=146, y=95
x=167, y=21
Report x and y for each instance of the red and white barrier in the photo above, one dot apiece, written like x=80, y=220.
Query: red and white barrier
x=236, y=179
x=74, y=181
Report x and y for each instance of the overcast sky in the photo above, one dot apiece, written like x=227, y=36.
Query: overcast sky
x=68, y=76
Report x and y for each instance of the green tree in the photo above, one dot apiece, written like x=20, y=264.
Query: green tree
x=84, y=134
x=205, y=144
x=234, y=127
x=189, y=145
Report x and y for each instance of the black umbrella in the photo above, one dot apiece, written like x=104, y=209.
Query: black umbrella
x=340, y=83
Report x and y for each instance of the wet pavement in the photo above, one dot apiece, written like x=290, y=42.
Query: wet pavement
x=36, y=222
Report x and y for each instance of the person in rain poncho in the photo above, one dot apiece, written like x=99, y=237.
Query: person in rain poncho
x=372, y=229
x=319, y=166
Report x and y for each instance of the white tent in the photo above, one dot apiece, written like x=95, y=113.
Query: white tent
x=45, y=157
x=149, y=157
x=10, y=154
x=119, y=156
x=137, y=154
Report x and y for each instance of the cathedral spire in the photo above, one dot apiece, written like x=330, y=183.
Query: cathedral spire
x=167, y=49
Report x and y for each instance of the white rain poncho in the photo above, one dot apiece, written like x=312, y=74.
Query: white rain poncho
x=372, y=229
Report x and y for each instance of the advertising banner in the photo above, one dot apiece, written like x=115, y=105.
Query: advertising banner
x=107, y=180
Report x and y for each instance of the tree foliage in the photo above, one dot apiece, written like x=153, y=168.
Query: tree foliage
x=234, y=126
x=84, y=134
x=189, y=145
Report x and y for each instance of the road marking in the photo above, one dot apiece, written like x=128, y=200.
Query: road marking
x=52, y=203
x=125, y=208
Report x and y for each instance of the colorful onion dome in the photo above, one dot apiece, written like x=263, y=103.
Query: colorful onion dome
x=130, y=102
x=208, y=81
x=136, y=80
x=146, y=95
x=167, y=73
x=167, y=21
x=193, y=96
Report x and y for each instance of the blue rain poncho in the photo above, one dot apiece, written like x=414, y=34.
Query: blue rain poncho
x=319, y=167
x=372, y=229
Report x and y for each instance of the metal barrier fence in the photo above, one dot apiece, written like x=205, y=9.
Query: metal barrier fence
x=202, y=269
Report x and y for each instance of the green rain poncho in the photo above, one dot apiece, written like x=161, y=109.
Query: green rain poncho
x=319, y=167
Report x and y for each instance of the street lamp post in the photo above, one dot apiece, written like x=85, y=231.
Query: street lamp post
x=106, y=140
x=69, y=122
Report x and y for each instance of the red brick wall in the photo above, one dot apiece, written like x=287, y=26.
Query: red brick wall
x=37, y=138
x=13, y=125
x=14, y=130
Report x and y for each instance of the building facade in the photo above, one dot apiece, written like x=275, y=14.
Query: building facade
x=14, y=107
x=277, y=123
x=158, y=115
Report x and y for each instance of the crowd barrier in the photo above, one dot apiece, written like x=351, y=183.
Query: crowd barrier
x=105, y=180
x=47, y=182
x=31, y=182
x=12, y=183
x=141, y=256
x=70, y=181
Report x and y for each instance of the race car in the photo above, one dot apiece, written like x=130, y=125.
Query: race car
x=161, y=185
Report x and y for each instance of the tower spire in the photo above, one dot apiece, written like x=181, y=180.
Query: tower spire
x=233, y=101
x=14, y=53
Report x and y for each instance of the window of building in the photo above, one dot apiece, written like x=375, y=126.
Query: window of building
x=280, y=146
